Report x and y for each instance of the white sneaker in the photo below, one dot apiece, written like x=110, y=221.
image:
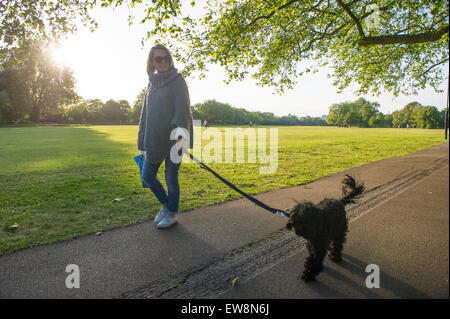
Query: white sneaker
x=167, y=221
x=162, y=212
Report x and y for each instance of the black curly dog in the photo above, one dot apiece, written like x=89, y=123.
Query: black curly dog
x=324, y=226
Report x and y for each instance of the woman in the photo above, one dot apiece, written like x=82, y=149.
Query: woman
x=165, y=125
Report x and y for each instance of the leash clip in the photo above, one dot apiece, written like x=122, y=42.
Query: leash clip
x=280, y=212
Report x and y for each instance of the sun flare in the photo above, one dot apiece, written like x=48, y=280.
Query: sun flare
x=61, y=56
x=64, y=54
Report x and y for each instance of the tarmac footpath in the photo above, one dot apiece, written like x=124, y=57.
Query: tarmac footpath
x=400, y=226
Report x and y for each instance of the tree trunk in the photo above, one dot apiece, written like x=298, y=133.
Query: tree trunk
x=36, y=113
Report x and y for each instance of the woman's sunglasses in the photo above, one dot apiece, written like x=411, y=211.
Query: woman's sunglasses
x=160, y=59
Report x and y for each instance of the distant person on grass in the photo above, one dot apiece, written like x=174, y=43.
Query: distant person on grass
x=165, y=126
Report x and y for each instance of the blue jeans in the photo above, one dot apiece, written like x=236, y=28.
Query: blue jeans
x=150, y=176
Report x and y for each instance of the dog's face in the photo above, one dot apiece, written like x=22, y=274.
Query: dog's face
x=305, y=219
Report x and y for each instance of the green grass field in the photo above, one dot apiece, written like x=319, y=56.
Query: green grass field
x=61, y=182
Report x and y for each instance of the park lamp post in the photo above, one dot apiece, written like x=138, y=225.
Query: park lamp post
x=446, y=110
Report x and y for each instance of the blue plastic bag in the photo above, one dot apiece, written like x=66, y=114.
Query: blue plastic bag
x=140, y=163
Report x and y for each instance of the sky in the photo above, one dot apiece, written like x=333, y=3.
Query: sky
x=110, y=63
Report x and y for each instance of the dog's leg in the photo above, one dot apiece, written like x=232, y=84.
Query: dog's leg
x=335, y=253
x=314, y=263
x=318, y=262
x=308, y=273
x=338, y=244
x=309, y=264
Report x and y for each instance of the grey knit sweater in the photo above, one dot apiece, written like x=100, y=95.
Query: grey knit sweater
x=166, y=106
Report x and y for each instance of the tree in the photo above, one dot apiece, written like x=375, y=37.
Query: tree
x=352, y=118
x=398, y=119
x=408, y=113
x=361, y=112
x=125, y=109
x=25, y=21
x=388, y=122
x=134, y=114
x=366, y=110
x=49, y=84
x=416, y=115
x=77, y=113
x=15, y=103
x=268, y=118
x=311, y=121
x=377, y=120
x=289, y=120
x=240, y=116
x=94, y=112
x=36, y=87
x=396, y=45
x=216, y=112
x=255, y=117
x=196, y=113
x=337, y=114
x=5, y=105
x=115, y=112
x=427, y=117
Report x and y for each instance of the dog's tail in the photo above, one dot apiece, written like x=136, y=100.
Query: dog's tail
x=350, y=189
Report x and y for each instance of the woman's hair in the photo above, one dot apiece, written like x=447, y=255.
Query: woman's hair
x=150, y=62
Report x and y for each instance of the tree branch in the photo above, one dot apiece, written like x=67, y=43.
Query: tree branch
x=353, y=17
x=273, y=12
x=174, y=12
x=430, y=36
x=433, y=66
x=325, y=34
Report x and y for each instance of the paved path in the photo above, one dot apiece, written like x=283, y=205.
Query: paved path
x=401, y=224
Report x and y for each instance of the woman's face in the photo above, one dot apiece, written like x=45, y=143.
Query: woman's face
x=161, y=60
